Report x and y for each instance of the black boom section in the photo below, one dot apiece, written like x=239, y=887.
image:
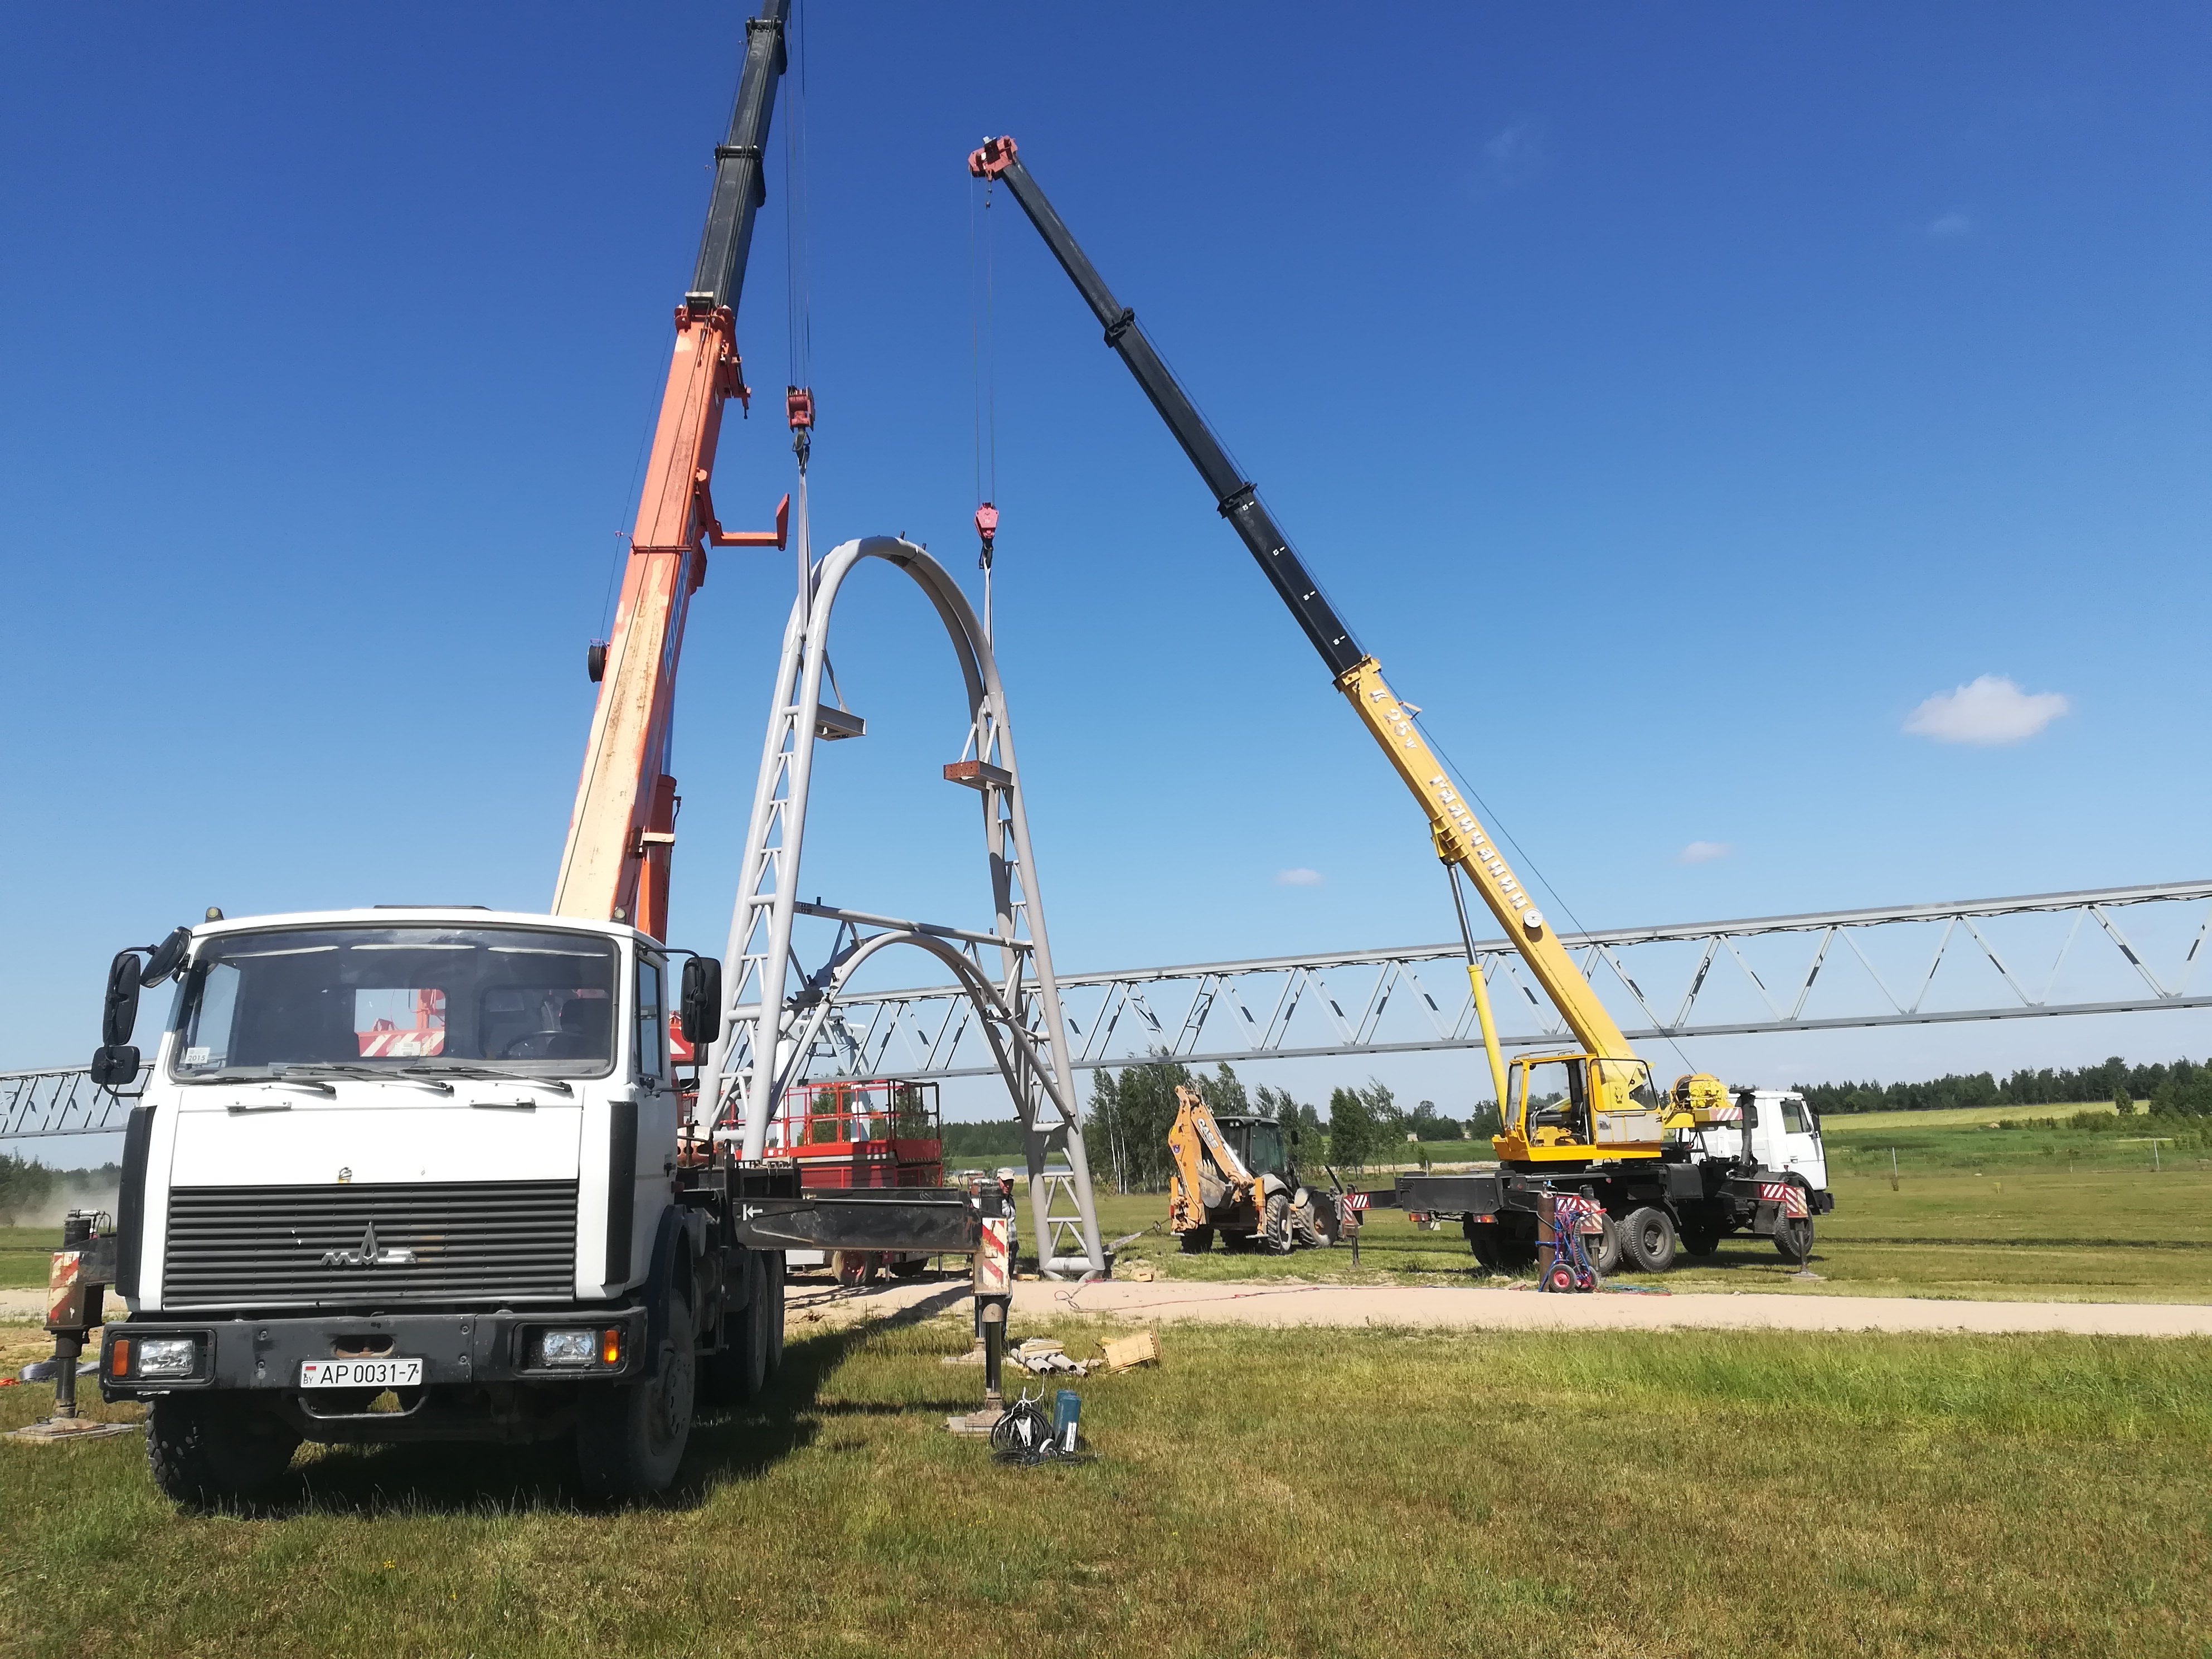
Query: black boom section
x=1232, y=494
x=739, y=188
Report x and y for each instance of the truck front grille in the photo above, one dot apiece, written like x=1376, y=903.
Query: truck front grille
x=478, y=1240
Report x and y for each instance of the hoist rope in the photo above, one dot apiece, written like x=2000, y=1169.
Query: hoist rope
x=1497, y=826
x=800, y=317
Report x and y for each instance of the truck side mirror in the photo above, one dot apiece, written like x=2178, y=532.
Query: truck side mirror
x=166, y=957
x=121, y=1013
x=114, y=1064
x=701, y=1004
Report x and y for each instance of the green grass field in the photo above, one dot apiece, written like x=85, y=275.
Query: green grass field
x=2014, y=1214
x=1259, y=1494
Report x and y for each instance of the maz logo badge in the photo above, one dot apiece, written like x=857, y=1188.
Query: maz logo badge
x=368, y=1256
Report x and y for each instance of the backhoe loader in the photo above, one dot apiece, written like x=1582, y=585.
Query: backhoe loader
x=1233, y=1175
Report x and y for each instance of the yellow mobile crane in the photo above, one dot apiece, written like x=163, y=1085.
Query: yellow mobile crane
x=1594, y=1113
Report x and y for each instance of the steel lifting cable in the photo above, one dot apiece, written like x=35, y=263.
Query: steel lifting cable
x=1498, y=827
x=983, y=367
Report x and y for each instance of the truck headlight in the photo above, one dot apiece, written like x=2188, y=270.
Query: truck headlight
x=568, y=1349
x=168, y=1356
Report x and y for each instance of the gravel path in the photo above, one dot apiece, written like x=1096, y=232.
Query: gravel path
x=1404, y=1306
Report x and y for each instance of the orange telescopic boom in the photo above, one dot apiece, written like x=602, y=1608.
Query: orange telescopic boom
x=623, y=831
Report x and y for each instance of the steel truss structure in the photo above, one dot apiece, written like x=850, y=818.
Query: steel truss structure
x=1913, y=964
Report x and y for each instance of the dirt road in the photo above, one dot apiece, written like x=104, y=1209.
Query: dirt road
x=1410, y=1306
x=1447, y=1307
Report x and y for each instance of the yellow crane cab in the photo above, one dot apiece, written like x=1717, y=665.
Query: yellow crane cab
x=1578, y=1109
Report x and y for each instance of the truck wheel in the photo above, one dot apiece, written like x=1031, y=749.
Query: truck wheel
x=213, y=1451
x=737, y=1373
x=1516, y=1255
x=1482, y=1239
x=774, y=1262
x=1700, y=1240
x=1605, y=1254
x=1794, y=1238
x=1648, y=1237
x=1197, y=1242
x=630, y=1438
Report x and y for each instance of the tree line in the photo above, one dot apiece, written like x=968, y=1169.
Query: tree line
x=2181, y=1088
x=1126, y=1125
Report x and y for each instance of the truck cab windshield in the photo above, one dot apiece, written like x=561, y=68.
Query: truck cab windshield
x=413, y=999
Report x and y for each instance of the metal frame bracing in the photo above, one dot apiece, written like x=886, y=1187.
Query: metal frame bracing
x=1355, y=1002
x=1361, y=1002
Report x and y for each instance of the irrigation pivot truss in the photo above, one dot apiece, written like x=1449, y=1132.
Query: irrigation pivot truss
x=2111, y=950
x=2035, y=957
x=60, y=1100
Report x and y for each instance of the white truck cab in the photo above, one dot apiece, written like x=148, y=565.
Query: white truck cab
x=413, y=1173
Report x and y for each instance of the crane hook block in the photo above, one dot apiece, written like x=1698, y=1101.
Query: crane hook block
x=993, y=159
x=986, y=523
x=798, y=401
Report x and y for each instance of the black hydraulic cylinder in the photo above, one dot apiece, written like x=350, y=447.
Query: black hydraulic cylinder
x=740, y=187
x=1234, y=496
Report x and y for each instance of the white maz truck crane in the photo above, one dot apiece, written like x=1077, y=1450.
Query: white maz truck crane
x=427, y=1172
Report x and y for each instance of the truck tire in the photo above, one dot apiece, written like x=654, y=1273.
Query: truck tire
x=1516, y=1255
x=214, y=1451
x=772, y=1262
x=1794, y=1239
x=737, y=1373
x=1482, y=1239
x=1605, y=1254
x=630, y=1438
x=1649, y=1239
x=1197, y=1242
x=1700, y=1240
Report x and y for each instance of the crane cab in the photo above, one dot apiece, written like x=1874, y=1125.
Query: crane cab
x=1583, y=1108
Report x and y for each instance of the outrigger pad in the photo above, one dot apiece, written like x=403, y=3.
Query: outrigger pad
x=923, y=1220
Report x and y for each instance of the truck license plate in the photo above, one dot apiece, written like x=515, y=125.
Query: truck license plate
x=382, y=1373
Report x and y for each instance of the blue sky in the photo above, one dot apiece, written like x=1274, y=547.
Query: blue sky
x=1675, y=400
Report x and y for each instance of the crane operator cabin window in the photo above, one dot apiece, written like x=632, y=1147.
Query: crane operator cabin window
x=397, y=999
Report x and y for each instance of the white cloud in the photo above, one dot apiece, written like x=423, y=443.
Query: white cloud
x=1298, y=878
x=1704, y=852
x=1949, y=226
x=1512, y=158
x=1989, y=710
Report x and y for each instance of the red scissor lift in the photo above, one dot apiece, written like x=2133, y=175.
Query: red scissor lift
x=881, y=1132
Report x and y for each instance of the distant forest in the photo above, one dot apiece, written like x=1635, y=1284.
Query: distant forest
x=2182, y=1089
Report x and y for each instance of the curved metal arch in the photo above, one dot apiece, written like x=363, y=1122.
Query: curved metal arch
x=766, y=1035
x=997, y=1016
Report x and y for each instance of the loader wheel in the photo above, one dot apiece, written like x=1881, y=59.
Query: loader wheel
x=1649, y=1239
x=1794, y=1239
x=214, y=1451
x=1275, y=1223
x=630, y=1437
x=1198, y=1241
